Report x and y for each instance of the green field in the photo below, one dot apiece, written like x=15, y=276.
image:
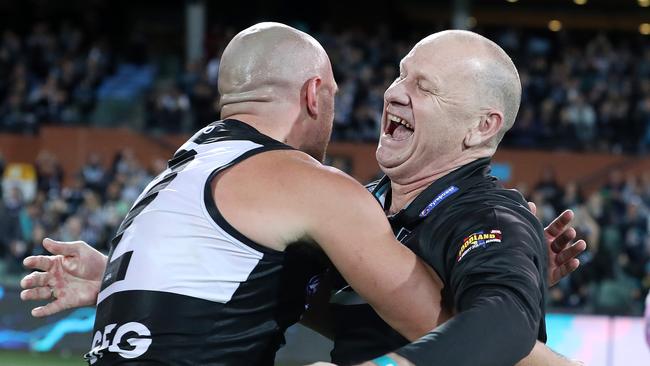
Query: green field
x=22, y=358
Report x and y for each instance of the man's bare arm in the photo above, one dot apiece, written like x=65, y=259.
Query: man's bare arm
x=293, y=198
x=355, y=235
x=542, y=355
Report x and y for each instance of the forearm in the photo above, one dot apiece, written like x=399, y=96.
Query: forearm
x=542, y=355
x=397, y=361
x=496, y=327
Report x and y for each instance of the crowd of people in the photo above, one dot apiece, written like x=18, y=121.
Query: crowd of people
x=49, y=76
x=580, y=91
x=589, y=94
x=614, y=278
x=615, y=273
x=90, y=208
x=586, y=95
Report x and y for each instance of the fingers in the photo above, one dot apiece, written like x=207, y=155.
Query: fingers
x=569, y=267
x=571, y=252
x=533, y=207
x=38, y=293
x=41, y=262
x=60, y=247
x=558, y=225
x=563, y=270
x=35, y=279
x=49, y=309
x=562, y=240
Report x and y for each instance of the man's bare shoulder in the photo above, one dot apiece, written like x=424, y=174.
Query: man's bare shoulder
x=285, y=193
x=293, y=171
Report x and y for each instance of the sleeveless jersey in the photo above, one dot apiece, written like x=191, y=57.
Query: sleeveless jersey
x=184, y=287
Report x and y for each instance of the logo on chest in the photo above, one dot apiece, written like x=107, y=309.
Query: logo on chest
x=436, y=201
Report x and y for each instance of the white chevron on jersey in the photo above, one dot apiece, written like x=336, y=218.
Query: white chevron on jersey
x=177, y=246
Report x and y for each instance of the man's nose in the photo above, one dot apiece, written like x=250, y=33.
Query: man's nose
x=396, y=93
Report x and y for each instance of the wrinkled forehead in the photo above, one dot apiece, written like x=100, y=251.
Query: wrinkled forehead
x=439, y=57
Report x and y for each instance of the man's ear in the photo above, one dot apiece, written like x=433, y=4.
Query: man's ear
x=489, y=125
x=313, y=85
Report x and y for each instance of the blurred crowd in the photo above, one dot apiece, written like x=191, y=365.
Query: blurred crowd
x=580, y=91
x=49, y=77
x=614, y=220
x=614, y=277
x=586, y=93
x=89, y=208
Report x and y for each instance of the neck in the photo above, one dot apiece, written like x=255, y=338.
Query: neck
x=404, y=191
x=274, y=129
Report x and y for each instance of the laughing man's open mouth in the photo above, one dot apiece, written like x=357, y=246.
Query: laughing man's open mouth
x=398, y=128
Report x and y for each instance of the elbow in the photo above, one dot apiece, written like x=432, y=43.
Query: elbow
x=413, y=323
x=523, y=342
x=413, y=332
x=515, y=323
x=522, y=333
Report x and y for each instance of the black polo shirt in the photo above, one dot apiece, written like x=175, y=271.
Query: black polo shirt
x=489, y=251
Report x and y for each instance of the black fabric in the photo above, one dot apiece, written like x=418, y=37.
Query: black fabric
x=247, y=330
x=502, y=282
x=184, y=330
x=116, y=269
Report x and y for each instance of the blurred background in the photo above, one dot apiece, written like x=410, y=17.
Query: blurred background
x=95, y=95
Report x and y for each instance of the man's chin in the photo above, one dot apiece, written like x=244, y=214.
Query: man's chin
x=387, y=158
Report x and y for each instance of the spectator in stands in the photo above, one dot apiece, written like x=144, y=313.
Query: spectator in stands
x=171, y=110
x=615, y=273
x=18, y=251
x=14, y=202
x=73, y=195
x=550, y=189
x=582, y=118
x=114, y=209
x=93, y=173
x=28, y=218
x=14, y=116
x=92, y=218
x=8, y=228
x=2, y=170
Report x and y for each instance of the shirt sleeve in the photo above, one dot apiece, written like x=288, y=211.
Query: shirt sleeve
x=496, y=274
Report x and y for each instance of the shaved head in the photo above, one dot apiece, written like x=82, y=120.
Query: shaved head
x=267, y=61
x=489, y=72
x=279, y=80
x=456, y=96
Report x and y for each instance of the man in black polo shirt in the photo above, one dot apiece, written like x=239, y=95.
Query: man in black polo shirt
x=444, y=116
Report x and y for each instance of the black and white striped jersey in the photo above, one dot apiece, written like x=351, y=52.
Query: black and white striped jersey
x=184, y=287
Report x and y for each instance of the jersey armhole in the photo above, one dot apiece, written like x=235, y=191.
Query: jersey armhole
x=219, y=219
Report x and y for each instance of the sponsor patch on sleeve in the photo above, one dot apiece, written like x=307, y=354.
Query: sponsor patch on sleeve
x=478, y=239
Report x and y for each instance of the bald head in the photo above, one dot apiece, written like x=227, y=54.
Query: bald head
x=487, y=71
x=268, y=62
